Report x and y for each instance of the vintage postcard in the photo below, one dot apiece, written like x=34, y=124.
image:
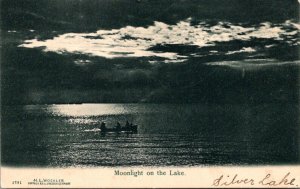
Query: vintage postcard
x=150, y=93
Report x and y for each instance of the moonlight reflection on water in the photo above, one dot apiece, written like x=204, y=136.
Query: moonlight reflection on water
x=75, y=110
x=168, y=134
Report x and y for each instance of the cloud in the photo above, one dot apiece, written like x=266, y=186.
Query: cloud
x=136, y=42
x=243, y=50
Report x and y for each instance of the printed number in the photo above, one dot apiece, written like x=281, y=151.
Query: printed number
x=16, y=182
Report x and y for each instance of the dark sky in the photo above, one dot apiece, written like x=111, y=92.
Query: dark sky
x=92, y=14
x=180, y=51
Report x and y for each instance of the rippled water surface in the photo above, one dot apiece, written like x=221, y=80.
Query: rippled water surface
x=168, y=134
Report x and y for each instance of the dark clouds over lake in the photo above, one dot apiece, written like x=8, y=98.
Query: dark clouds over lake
x=72, y=51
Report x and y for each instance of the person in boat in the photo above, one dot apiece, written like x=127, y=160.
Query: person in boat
x=127, y=126
x=103, y=127
x=131, y=126
x=118, y=127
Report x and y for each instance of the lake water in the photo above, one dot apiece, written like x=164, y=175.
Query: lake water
x=168, y=135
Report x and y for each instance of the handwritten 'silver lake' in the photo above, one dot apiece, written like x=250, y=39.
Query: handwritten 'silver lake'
x=168, y=135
